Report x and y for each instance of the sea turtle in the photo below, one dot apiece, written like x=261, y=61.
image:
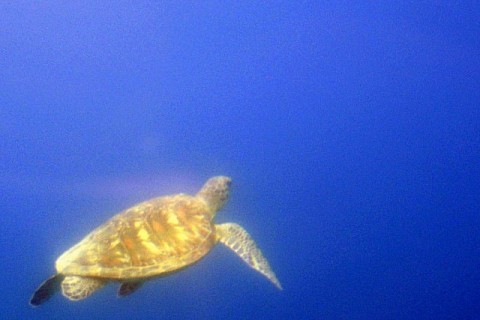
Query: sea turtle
x=154, y=238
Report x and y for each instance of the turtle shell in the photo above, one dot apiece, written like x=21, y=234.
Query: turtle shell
x=154, y=237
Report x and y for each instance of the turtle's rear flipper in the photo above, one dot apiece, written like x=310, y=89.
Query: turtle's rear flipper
x=46, y=290
x=77, y=288
x=127, y=288
x=236, y=238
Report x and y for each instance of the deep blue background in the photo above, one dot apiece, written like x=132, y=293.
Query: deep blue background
x=351, y=132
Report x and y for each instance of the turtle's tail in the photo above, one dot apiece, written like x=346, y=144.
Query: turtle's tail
x=46, y=290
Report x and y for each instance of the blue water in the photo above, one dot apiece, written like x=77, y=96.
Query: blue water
x=350, y=130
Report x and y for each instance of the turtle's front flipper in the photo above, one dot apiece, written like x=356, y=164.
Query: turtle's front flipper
x=127, y=288
x=236, y=238
x=46, y=290
x=77, y=288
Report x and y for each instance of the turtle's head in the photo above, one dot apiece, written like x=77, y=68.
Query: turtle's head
x=215, y=192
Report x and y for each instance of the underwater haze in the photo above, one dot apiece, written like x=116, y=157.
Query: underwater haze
x=350, y=131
